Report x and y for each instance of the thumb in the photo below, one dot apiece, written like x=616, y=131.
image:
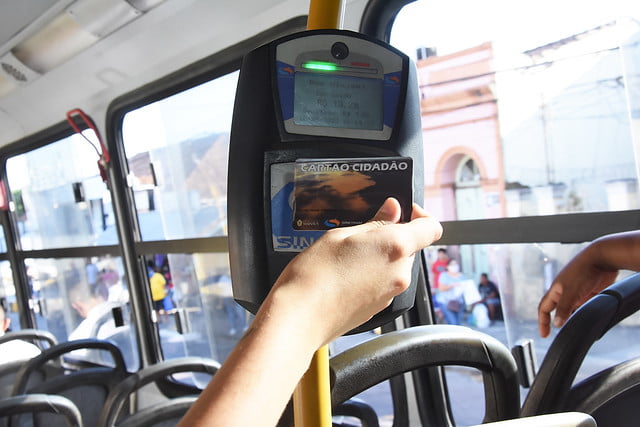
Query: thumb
x=390, y=211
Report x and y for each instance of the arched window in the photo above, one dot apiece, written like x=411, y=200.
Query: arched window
x=468, y=173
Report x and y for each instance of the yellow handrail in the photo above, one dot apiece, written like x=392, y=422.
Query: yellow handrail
x=312, y=397
x=324, y=14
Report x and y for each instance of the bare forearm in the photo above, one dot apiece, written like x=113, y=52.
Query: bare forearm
x=592, y=270
x=617, y=251
x=263, y=369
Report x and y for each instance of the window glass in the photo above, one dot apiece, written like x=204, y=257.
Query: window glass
x=3, y=242
x=77, y=298
x=466, y=393
x=630, y=55
x=176, y=152
x=547, y=113
x=194, y=305
x=521, y=273
x=58, y=197
x=8, y=294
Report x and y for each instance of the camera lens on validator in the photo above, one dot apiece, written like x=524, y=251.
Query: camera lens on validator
x=339, y=50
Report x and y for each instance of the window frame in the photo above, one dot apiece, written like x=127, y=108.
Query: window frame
x=15, y=254
x=134, y=248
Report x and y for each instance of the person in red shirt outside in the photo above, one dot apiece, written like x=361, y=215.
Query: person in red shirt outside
x=439, y=266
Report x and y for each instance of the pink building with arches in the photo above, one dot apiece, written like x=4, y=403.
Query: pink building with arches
x=464, y=174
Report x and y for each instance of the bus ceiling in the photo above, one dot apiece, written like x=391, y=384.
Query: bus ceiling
x=56, y=55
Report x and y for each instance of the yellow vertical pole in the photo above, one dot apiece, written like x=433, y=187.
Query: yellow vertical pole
x=312, y=396
x=324, y=14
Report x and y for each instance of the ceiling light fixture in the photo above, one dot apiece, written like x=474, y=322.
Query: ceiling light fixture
x=81, y=25
x=15, y=73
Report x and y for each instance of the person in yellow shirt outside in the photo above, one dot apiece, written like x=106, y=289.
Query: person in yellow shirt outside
x=158, y=285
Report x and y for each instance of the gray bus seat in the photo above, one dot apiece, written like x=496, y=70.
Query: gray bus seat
x=33, y=335
x=116, y=410
x=124, y=338
x=357, y=409
x=87, y=388
x=45, y=407
x=9, y=370
x=609, y=396
x=394, y=353
x=8, y=373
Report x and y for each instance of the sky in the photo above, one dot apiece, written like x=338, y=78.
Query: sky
x=513, y=25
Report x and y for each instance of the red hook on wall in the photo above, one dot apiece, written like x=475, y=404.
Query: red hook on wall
x=103, y=152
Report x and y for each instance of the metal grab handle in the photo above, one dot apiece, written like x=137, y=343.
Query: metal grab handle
x=394, y=353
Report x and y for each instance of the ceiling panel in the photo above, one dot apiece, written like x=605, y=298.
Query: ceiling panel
x=16, y=15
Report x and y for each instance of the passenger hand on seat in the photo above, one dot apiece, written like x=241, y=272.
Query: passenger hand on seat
x=588, y=273
x=335, y=285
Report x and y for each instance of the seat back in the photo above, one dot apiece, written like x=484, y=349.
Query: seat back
x=394, y=353
x=167, y=414
x=114, y=412
x=357, y=409
x=86, y=388
x=43, y=407
x=8, y=371
x=33, y=335
x=609, y=395
x=124, y=339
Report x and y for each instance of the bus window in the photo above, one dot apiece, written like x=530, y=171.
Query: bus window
x=7, y=289
x=58, y=197
x=521, y=119
x=3, y=242
x=75, y=298
x=59, y=203
x=177, y=158
x=8, y=292
x=194, y=305
x=176, y=150
x=522, y=273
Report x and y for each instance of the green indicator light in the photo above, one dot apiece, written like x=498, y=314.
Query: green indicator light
x=319, y=65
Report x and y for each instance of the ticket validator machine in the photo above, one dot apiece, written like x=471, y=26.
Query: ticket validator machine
x=326, y=125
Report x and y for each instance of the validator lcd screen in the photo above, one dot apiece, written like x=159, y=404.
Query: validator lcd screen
x=338, y=101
